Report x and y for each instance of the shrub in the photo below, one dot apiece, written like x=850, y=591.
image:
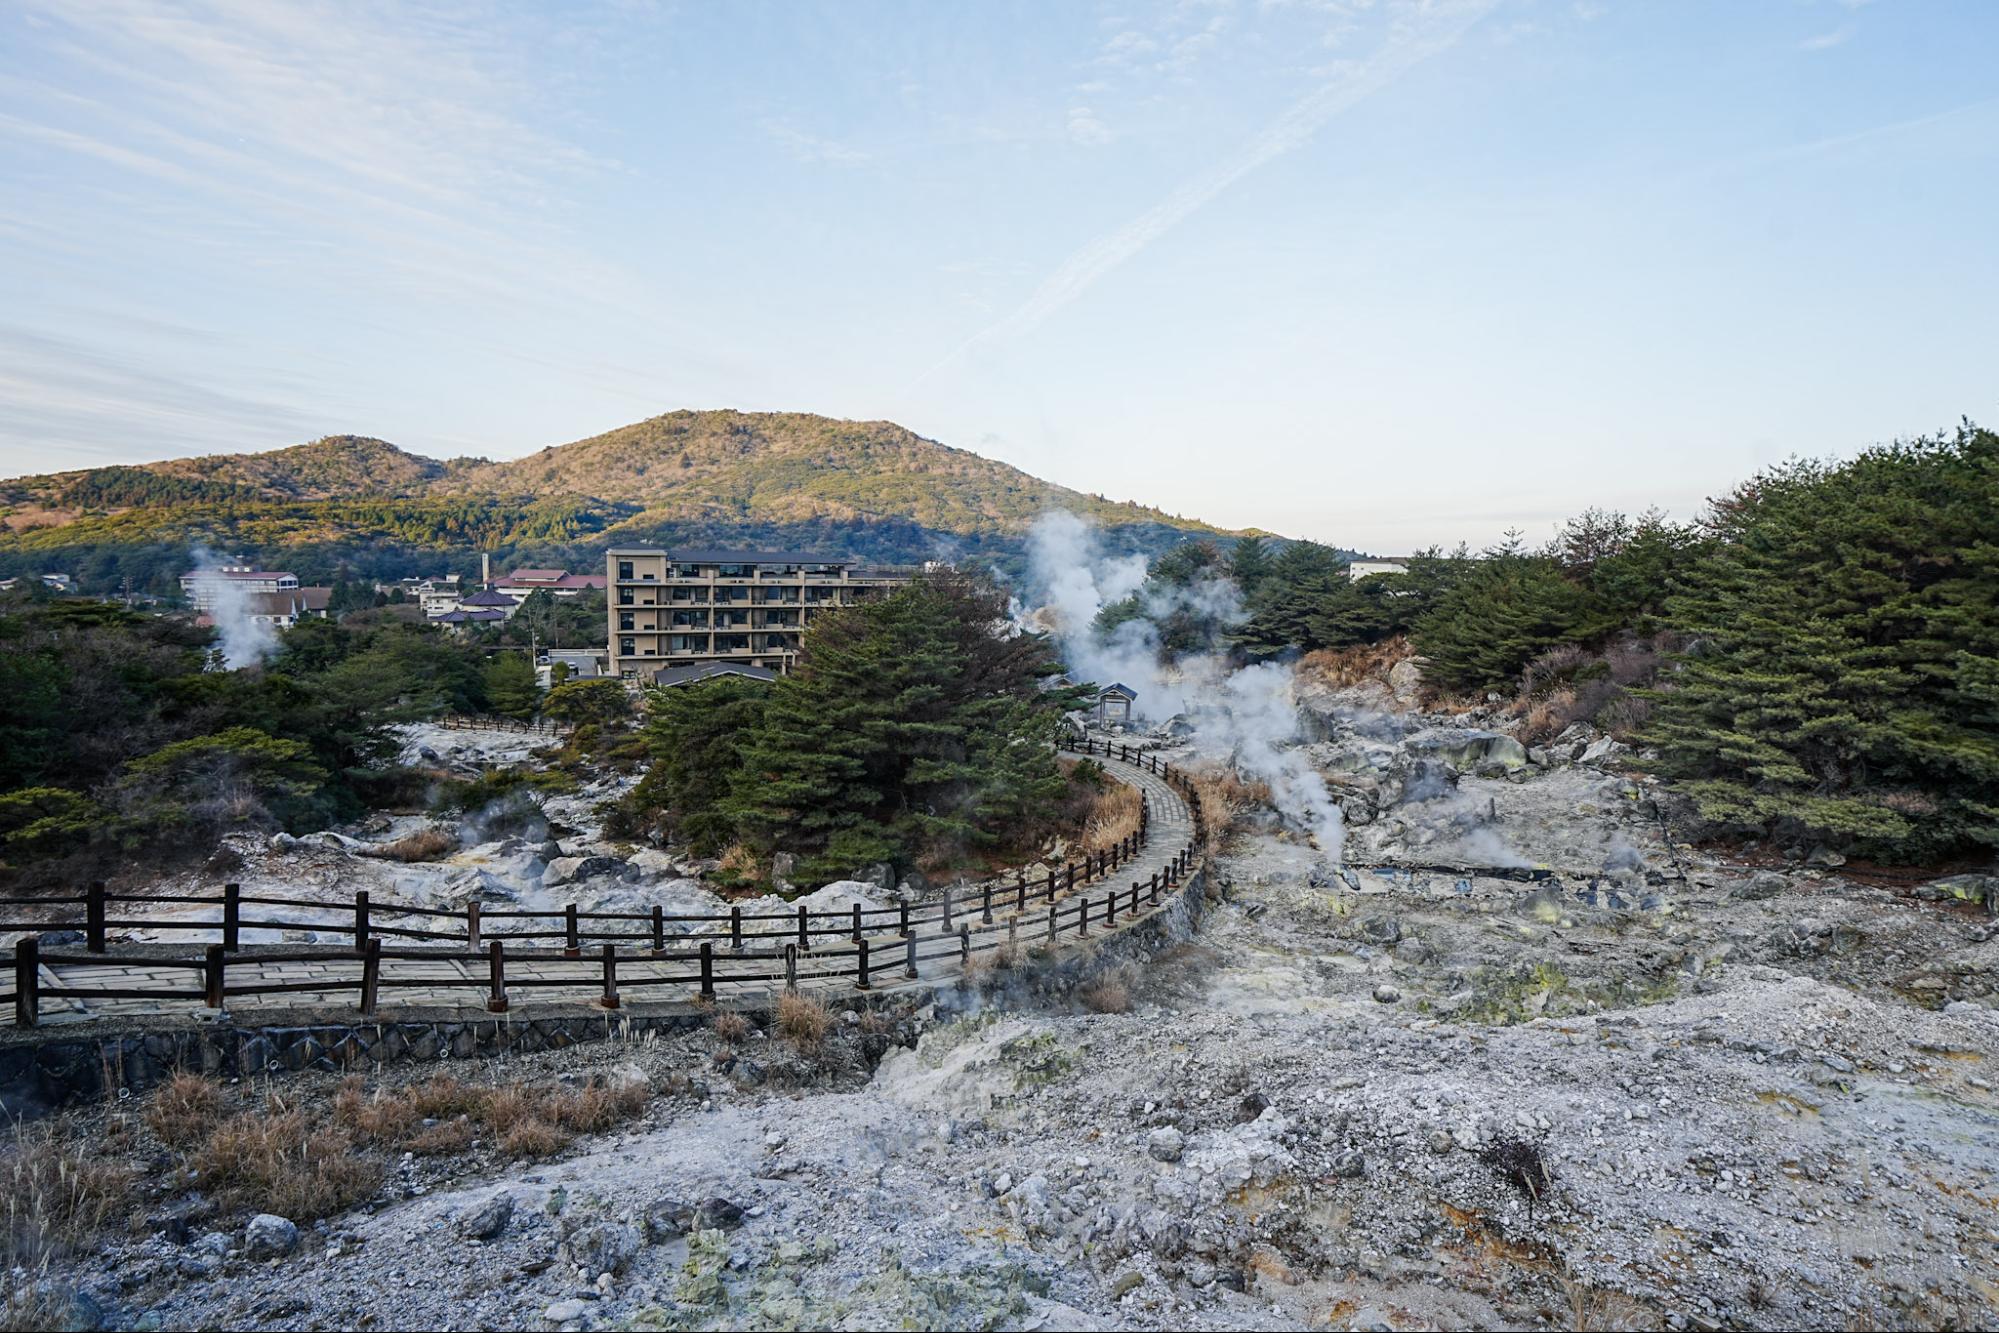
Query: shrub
x=282, y=1161
x=60, y=1192
x=185, y=1111
x=1106, y=995
x=429, y=844
x=729, y=1026
x=802, y=1019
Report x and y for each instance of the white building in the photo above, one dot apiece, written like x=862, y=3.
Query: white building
x=1382, y=564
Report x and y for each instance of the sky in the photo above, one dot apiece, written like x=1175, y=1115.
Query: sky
x=1381, y=273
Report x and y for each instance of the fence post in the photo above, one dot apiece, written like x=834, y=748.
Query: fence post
x=27, y=981
x=361, y=919
x=213, y=963
x=658, y=928
x=1051, y=886
x=572, y=939
x=947, y=910
x=861, y=978
x=791, y=967
x=1020, y=904
x=909, y=957
x=804, y=933
x=986, y=916
x=232, y=917
x=902, y=918
x=857, y=922
x=964, y=946
x=1051, y=923
x=707, y=970
x=1083, y=915
x=610, y=975
x=735, y=927
x=496, y=1002
x=472, y=927
x=1155, y=886
x=371, y=977
x=93, y=917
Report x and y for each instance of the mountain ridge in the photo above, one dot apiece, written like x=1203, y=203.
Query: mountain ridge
x=682, y=475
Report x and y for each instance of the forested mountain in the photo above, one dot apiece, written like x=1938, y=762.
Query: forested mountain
x=869, y=488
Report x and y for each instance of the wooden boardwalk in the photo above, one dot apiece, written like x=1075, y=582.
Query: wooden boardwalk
x=742, y=962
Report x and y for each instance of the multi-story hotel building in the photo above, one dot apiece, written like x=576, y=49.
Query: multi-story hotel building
x=687, y=607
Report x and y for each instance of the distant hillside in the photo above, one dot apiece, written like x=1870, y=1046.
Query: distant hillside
x=359, y=505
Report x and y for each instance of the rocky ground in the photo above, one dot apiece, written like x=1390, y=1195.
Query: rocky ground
x=1650, y=1089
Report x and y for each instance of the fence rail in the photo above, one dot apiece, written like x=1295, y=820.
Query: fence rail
x=392, y=946
x=540, y=726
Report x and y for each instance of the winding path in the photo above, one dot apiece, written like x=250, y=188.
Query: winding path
x=292, y=983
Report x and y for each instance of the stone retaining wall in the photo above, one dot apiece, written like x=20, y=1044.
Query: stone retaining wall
x=41, y=1076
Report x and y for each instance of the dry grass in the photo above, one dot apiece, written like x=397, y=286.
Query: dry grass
x=61, y=1190
x=1113, y=817
x=1106, y=995
x=1593, y=1308
x=282, y=1160
x=729, y=1026
x=1225, y=797
x=424, y=845
x=443, y=1138
x=533, y=1138
x=803, y=1019
x=1343, y=668
x=185, y=1111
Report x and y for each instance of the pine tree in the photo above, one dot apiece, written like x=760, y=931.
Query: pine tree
x=511, y=690
x=1843, y=679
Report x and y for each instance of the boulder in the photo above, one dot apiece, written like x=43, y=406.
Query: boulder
x=489, y=1219
x=1468, y=748
x=1405, y=681
x=269, y=1237
x=1603, y=748
x=1165, y=1145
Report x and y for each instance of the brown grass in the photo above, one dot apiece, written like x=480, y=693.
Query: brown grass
x=61, y=1190
x=1225, y=797
x=1343, y=668
x=185, y=1111
x=284, y=1161
x=1106, y=995
x=803, y=1019
x=424, y=845
x=1113, y=817
x=443, y=1138
x=729, y=1026
x=533, y=1138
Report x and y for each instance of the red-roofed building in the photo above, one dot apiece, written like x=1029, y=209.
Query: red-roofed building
x=554, y=582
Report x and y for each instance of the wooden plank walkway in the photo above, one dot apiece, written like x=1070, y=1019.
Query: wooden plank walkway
x=152, y=985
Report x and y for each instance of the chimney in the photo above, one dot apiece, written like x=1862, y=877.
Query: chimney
x=486, y=568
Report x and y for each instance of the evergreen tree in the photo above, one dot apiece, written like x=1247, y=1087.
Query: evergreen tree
x=511, y=689
x=1843, y=678
x=1498, y=615
x=696, y=735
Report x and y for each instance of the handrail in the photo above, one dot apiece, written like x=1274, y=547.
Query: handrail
x=994, y=915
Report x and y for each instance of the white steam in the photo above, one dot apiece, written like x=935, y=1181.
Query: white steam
x=1247, y=717
x=241, y=638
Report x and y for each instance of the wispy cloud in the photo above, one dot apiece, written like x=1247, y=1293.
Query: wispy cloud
x=1825, y=41
x=1413, y=36
x=804, y=147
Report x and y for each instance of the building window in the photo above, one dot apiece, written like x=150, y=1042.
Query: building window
x=626, y=620
x=626, y=647
x=624, y=569
x=624, y=597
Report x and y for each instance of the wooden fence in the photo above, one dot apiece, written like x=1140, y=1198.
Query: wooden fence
x=397, y=946
x=540, y=726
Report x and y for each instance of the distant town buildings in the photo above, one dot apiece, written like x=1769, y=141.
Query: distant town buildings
x=555, y=582
x=261, y=596
x=685, y=607
x=53, y=582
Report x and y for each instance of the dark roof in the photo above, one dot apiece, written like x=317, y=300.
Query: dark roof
x=668, y=677
x=726, y=557
x=465, y=617
x=487, y=597
x=1115, y=688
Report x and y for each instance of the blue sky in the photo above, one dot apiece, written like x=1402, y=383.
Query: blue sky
x=1382, y=274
